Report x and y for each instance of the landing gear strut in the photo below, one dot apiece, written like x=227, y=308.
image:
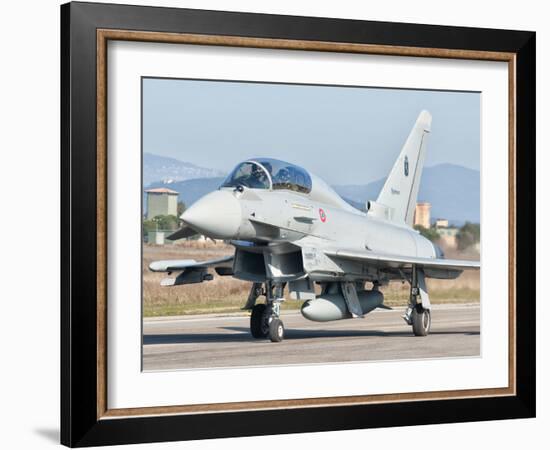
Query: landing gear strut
x=264, y=320
x=418, y=312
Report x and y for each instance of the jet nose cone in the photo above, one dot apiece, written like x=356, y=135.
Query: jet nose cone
x=216, y=215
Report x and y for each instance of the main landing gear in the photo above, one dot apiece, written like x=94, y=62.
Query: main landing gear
x=418, y=312
x=264, y=320
x=421, y=321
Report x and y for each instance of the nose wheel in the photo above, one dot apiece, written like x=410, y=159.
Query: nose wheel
x=276, y=330
x=264, y=319
x=259, y=321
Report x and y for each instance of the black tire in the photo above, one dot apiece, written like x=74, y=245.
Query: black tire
x=276, y=330
x=258, y=322
x=421, y=321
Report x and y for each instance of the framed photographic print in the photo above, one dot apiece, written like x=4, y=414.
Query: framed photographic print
x=276, y=224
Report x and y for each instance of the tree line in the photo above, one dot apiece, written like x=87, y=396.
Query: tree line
x=164, y=222
x=467, y=235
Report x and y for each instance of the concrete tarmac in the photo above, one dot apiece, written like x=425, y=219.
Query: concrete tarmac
x=208, y=341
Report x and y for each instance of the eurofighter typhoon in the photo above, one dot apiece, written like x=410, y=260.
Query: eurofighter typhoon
x=291, y=229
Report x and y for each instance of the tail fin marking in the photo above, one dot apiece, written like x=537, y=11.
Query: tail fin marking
x=400, y=191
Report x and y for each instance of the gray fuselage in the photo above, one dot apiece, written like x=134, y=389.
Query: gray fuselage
x=278, y=233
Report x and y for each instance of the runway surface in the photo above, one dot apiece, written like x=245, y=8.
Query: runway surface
x=225, y=341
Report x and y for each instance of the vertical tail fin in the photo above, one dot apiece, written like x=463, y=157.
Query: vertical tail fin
x=400, y=190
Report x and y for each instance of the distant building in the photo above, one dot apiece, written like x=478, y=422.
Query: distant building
x=155, y=237
x=422, y=214
x=441, y=223
x=161, y=202
x=447, y=235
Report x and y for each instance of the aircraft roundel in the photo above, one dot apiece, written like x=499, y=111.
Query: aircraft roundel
x=322, y=215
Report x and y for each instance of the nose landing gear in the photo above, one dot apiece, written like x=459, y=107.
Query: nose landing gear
x=259, y=324
x=265, y=318
x=276, y=330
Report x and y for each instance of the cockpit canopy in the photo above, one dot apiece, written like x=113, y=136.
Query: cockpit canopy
x=267, y=173
x=248, y=174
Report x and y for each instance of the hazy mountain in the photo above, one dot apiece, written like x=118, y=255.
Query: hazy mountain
x=452, y=190
x=169, y=170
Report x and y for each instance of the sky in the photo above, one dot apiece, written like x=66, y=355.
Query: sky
x=345, y=135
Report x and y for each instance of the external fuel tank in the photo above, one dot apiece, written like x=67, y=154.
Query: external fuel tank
x=329, y=307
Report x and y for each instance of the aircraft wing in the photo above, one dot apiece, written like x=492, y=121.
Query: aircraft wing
x=396, y=261
x=184, y=264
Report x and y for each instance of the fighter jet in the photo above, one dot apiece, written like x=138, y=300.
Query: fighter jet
x=291, y=229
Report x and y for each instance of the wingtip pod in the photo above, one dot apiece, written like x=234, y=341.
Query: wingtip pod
x=157, y=266
x=425, y=120
x=169, y=265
